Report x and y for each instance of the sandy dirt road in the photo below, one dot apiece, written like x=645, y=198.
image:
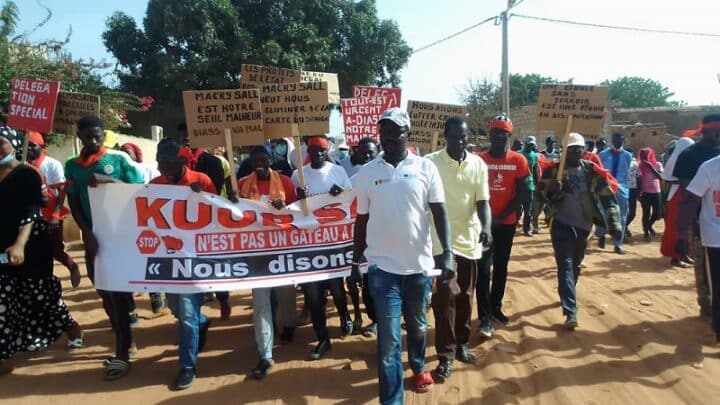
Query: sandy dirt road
x=640, y=341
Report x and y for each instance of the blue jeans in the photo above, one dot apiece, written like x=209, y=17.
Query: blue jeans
x=187, y=309
x=396, y=295
x=569, y=244
x=263, y=316
x=624, y=206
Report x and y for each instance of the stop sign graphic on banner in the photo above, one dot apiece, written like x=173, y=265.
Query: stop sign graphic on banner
x=148, y=242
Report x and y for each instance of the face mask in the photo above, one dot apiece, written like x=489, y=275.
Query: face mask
x=280, y=150
x=7, y=159
x=343, y=154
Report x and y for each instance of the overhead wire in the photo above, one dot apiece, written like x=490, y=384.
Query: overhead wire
x=449, y=37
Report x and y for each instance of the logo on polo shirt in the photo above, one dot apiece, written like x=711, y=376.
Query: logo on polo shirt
x=108, y=169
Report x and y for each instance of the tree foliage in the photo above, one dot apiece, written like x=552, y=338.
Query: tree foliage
x=640, y=92
x=194, y=44
x=48, y=60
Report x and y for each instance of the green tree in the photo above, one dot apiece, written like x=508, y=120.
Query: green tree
x=193, y=44
x=48, y=60
x=525, y=89
x=483, y=100
x=640, y=92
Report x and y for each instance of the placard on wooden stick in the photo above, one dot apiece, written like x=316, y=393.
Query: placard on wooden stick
x=209, y=112
x=304, y=104
x=427, y=118
x=587, y=104
x=31, y=106
x=71, y=107
x=254, y=76
x=332, y=83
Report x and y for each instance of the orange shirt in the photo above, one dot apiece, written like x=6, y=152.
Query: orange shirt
x=190, y=177
x=503, y=173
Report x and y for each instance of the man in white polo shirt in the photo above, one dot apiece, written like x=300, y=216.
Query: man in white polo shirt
x=395, y=193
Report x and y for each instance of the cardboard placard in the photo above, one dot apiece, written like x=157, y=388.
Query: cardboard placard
x=254, y=76
x=330, y=78
x=426, y=118
x=304, y=104
x=587, y=104
x=360, y=117
x=392, y=95
x=209, y=112
x=32, y=104
x=71, y=107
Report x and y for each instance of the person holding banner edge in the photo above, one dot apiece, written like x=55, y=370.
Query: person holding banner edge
x=266, y=184
x=395, y=192
x=97, y=164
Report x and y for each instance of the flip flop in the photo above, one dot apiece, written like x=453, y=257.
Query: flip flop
x=76, y=343
x=423, y=382
x=116, y=369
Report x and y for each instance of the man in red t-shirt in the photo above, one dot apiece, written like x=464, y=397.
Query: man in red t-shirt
x=508, y=175
x=192, y=324
x=265, y=184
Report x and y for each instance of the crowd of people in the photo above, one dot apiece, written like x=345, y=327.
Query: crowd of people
x=453, y=210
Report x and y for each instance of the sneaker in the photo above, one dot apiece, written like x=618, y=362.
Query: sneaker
x=500, y=318
x=157, y=302
x=261, y=370
x=486, y=329
x=319, y=351
x=601, y=243
x=185, y=379
x=287, y=335
x=134, y=320
x=619, y=250
x=203, y=335
x=571, y=322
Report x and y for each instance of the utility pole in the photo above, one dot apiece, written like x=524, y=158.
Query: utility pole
x=505, y=75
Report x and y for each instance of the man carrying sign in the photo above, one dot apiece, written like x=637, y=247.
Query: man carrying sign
x=395, y=191
x=573, y=209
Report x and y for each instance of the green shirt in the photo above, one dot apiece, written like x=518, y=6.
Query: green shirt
x=113, y=163
x=532, y=159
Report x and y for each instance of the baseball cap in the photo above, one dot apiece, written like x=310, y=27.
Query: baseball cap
x=36, y=138
x=575, y=139
x=530, y=140
x=396, y=115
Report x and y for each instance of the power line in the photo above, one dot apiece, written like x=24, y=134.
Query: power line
x=615, y=27
x=464, y=30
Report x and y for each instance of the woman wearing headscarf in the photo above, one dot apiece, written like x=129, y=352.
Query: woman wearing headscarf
x=667, y=247
x=32, y=312
x=649, y=186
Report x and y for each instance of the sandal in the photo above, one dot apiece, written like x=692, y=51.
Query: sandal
x=442, y=371
x=116, y=369
x=76, y=343
x=423, y=382
x=261, y=370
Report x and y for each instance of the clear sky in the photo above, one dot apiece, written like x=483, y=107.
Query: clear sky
x=689, y=66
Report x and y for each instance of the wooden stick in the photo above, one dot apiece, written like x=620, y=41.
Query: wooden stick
x=435, y=139
x=563, y=155
x=295, y=134
x=75, y=140
x=26, y=144
x=231, y=159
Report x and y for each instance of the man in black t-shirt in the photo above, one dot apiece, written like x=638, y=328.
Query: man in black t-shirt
x=686, y=167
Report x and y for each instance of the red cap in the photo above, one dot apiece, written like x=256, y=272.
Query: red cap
x=320, y=141
x=36, y=138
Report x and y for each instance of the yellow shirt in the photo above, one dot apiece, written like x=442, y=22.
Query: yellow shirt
x=226, y=173
x=465, y=184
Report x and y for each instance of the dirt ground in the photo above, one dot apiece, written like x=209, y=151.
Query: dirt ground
x=640, y=341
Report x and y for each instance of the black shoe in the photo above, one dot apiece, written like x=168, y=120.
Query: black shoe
x=370, y=331
x=203, y=335
x=261, y=370
x=157, y=302
x=319, y=351
x=571, y=322
x=486, y=329
x=601, y=243
x=443, y=370
x=185, y=379
x=357, y=325
x=287, y=336
x=464, y=355
x=527, y=233
x=619, y=250
x=500, y=318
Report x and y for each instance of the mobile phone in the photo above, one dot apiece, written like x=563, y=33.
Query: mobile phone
x=4, y=259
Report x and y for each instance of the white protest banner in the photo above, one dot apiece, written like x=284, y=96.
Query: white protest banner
x=71, y=107
x=304, y=104
x=258, y=75
x=171, y=239
x=332, y=83
x=209, y=113
x=427, y=119
x=587, y=104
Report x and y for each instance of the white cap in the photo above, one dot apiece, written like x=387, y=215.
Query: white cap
x=530, y=140
x=575, y=139
x=396, y=115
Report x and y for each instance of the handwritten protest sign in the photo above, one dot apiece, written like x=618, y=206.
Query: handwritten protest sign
x=209, y=112
x=361, y=113
x=304, y=104
x=71, y=107
x=587, y=104
x=428, y=118
x=391, y=95
x=254, y=76
x=330, y=78
x=32, y=104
